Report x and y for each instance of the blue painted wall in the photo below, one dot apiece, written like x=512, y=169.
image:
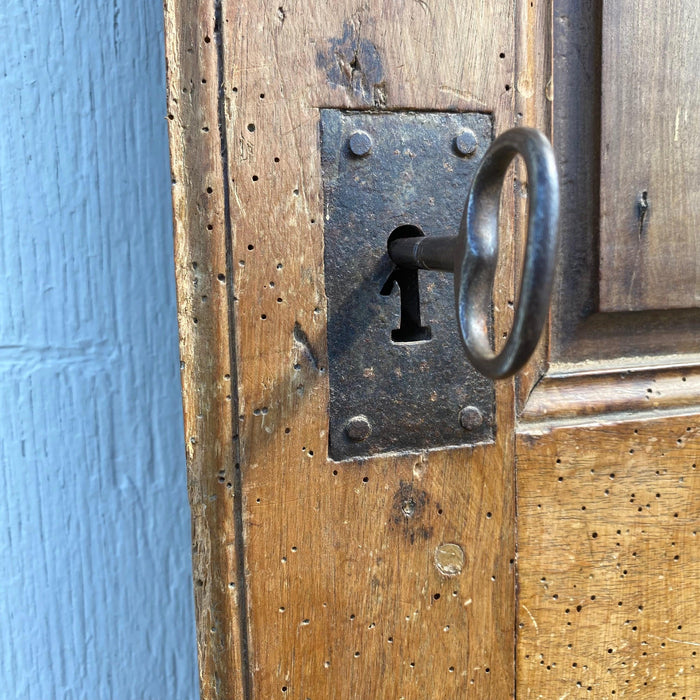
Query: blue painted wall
x=95, y=587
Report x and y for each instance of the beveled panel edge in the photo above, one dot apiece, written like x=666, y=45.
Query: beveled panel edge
x=576, y=394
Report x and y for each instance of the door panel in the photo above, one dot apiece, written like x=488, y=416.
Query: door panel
x=659, y=324
x=608, y=559
x=650, y=164
x=607, y=442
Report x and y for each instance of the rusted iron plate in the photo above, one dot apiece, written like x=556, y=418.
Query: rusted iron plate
x=382, y=171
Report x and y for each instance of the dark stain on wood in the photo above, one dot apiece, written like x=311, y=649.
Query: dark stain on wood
x=407, y=511
x=355, y=64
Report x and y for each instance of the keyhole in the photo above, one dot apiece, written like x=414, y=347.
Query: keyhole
x=410, y=329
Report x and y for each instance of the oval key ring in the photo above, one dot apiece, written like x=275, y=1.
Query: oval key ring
x=477, y=252
x=473, y=254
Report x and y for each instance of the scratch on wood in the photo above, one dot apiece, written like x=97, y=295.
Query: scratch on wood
x=424, y=5
x=675, y=641
x=463, y=95
x=534, y=622
x=642, y=210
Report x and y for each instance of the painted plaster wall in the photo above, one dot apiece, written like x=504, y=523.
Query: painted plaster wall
x=95, y=572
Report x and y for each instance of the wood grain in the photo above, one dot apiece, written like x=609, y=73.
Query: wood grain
x=393, y=576
x=338, y=575
x=576, y=40
x=337, y=591
x=650, y=240
x=609, y=560
x=595, y=395
x=533, y=102
x=580, y=333
x=608, y=339
x=202, y=267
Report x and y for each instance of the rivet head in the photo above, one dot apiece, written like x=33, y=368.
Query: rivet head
x=466, y=143
x=358, y=428
x=360, y=143
x=449, y=559
x=470, y=418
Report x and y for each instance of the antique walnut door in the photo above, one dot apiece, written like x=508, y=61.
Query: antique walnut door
x=552, y=552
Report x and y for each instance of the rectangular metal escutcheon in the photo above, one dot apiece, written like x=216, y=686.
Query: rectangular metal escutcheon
x=402, y=391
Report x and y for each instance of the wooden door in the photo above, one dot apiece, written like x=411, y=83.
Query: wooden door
x=608, y=442
x=394, y=576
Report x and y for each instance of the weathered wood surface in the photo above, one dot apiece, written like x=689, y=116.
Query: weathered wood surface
x=609, y=561
x=533, y=103
x=338, y=575
x=317, y=579
x=594, y=395
x=650, y=167
x=337, y=592
x=208, y=376
x=581, y=334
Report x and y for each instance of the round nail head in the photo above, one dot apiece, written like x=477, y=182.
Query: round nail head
x=358, y=428
x=466, y=143
x=360, y=144
x=470, y=418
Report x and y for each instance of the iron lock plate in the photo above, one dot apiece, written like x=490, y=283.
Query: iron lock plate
x=388, y=396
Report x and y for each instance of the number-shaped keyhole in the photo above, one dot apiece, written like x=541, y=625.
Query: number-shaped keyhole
x=410, y=329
